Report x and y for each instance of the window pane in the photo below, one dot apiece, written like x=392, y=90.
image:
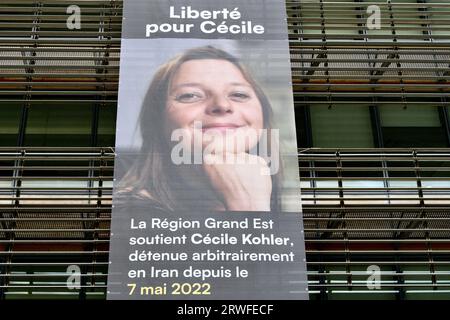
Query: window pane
x=404, y=18
x=302, y=126
x=440, y=14
x=341, y=126
x=107, y=126
x=9, y=123
x=412, y=116
x=341, y=18
x=66, y=125
x=413, y=127
x=448, y=111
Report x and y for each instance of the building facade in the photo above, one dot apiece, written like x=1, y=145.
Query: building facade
x=372, y=111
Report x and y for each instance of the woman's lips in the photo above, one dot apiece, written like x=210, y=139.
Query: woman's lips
x=221, y=127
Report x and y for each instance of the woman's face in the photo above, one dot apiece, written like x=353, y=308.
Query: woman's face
x=211, y=100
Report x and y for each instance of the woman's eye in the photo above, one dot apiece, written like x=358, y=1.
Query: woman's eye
x=189, y=97
x=240, y=96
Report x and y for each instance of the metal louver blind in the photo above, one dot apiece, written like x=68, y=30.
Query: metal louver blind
x=383, y=210
x=387, y=208
x=362, y=208
x=56, y=213
x=337, y=59
x=42, y=60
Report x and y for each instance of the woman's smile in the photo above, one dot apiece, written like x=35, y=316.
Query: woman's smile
x=207, y=131
x=221, y=128
x=216, y=95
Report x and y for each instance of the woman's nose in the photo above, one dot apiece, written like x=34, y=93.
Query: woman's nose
x=219, y=105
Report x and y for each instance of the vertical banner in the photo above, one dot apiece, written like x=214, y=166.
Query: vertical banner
x=206, y=200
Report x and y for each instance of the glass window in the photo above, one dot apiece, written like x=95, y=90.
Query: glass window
x=302, y=126
x=107, y=126
x=385, y=30
x=412, y=127
x=341, y=127
x=310, y=19
x=408, y=20
x=439, y=30
x=341, y=18
x=9, y=123
x=52, y=125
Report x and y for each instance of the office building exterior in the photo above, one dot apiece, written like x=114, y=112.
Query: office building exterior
x=372, y=112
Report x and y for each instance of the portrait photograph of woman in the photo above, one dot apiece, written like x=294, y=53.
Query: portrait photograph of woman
x=207, y=131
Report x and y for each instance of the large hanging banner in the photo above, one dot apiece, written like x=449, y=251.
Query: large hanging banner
x=206, y=199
